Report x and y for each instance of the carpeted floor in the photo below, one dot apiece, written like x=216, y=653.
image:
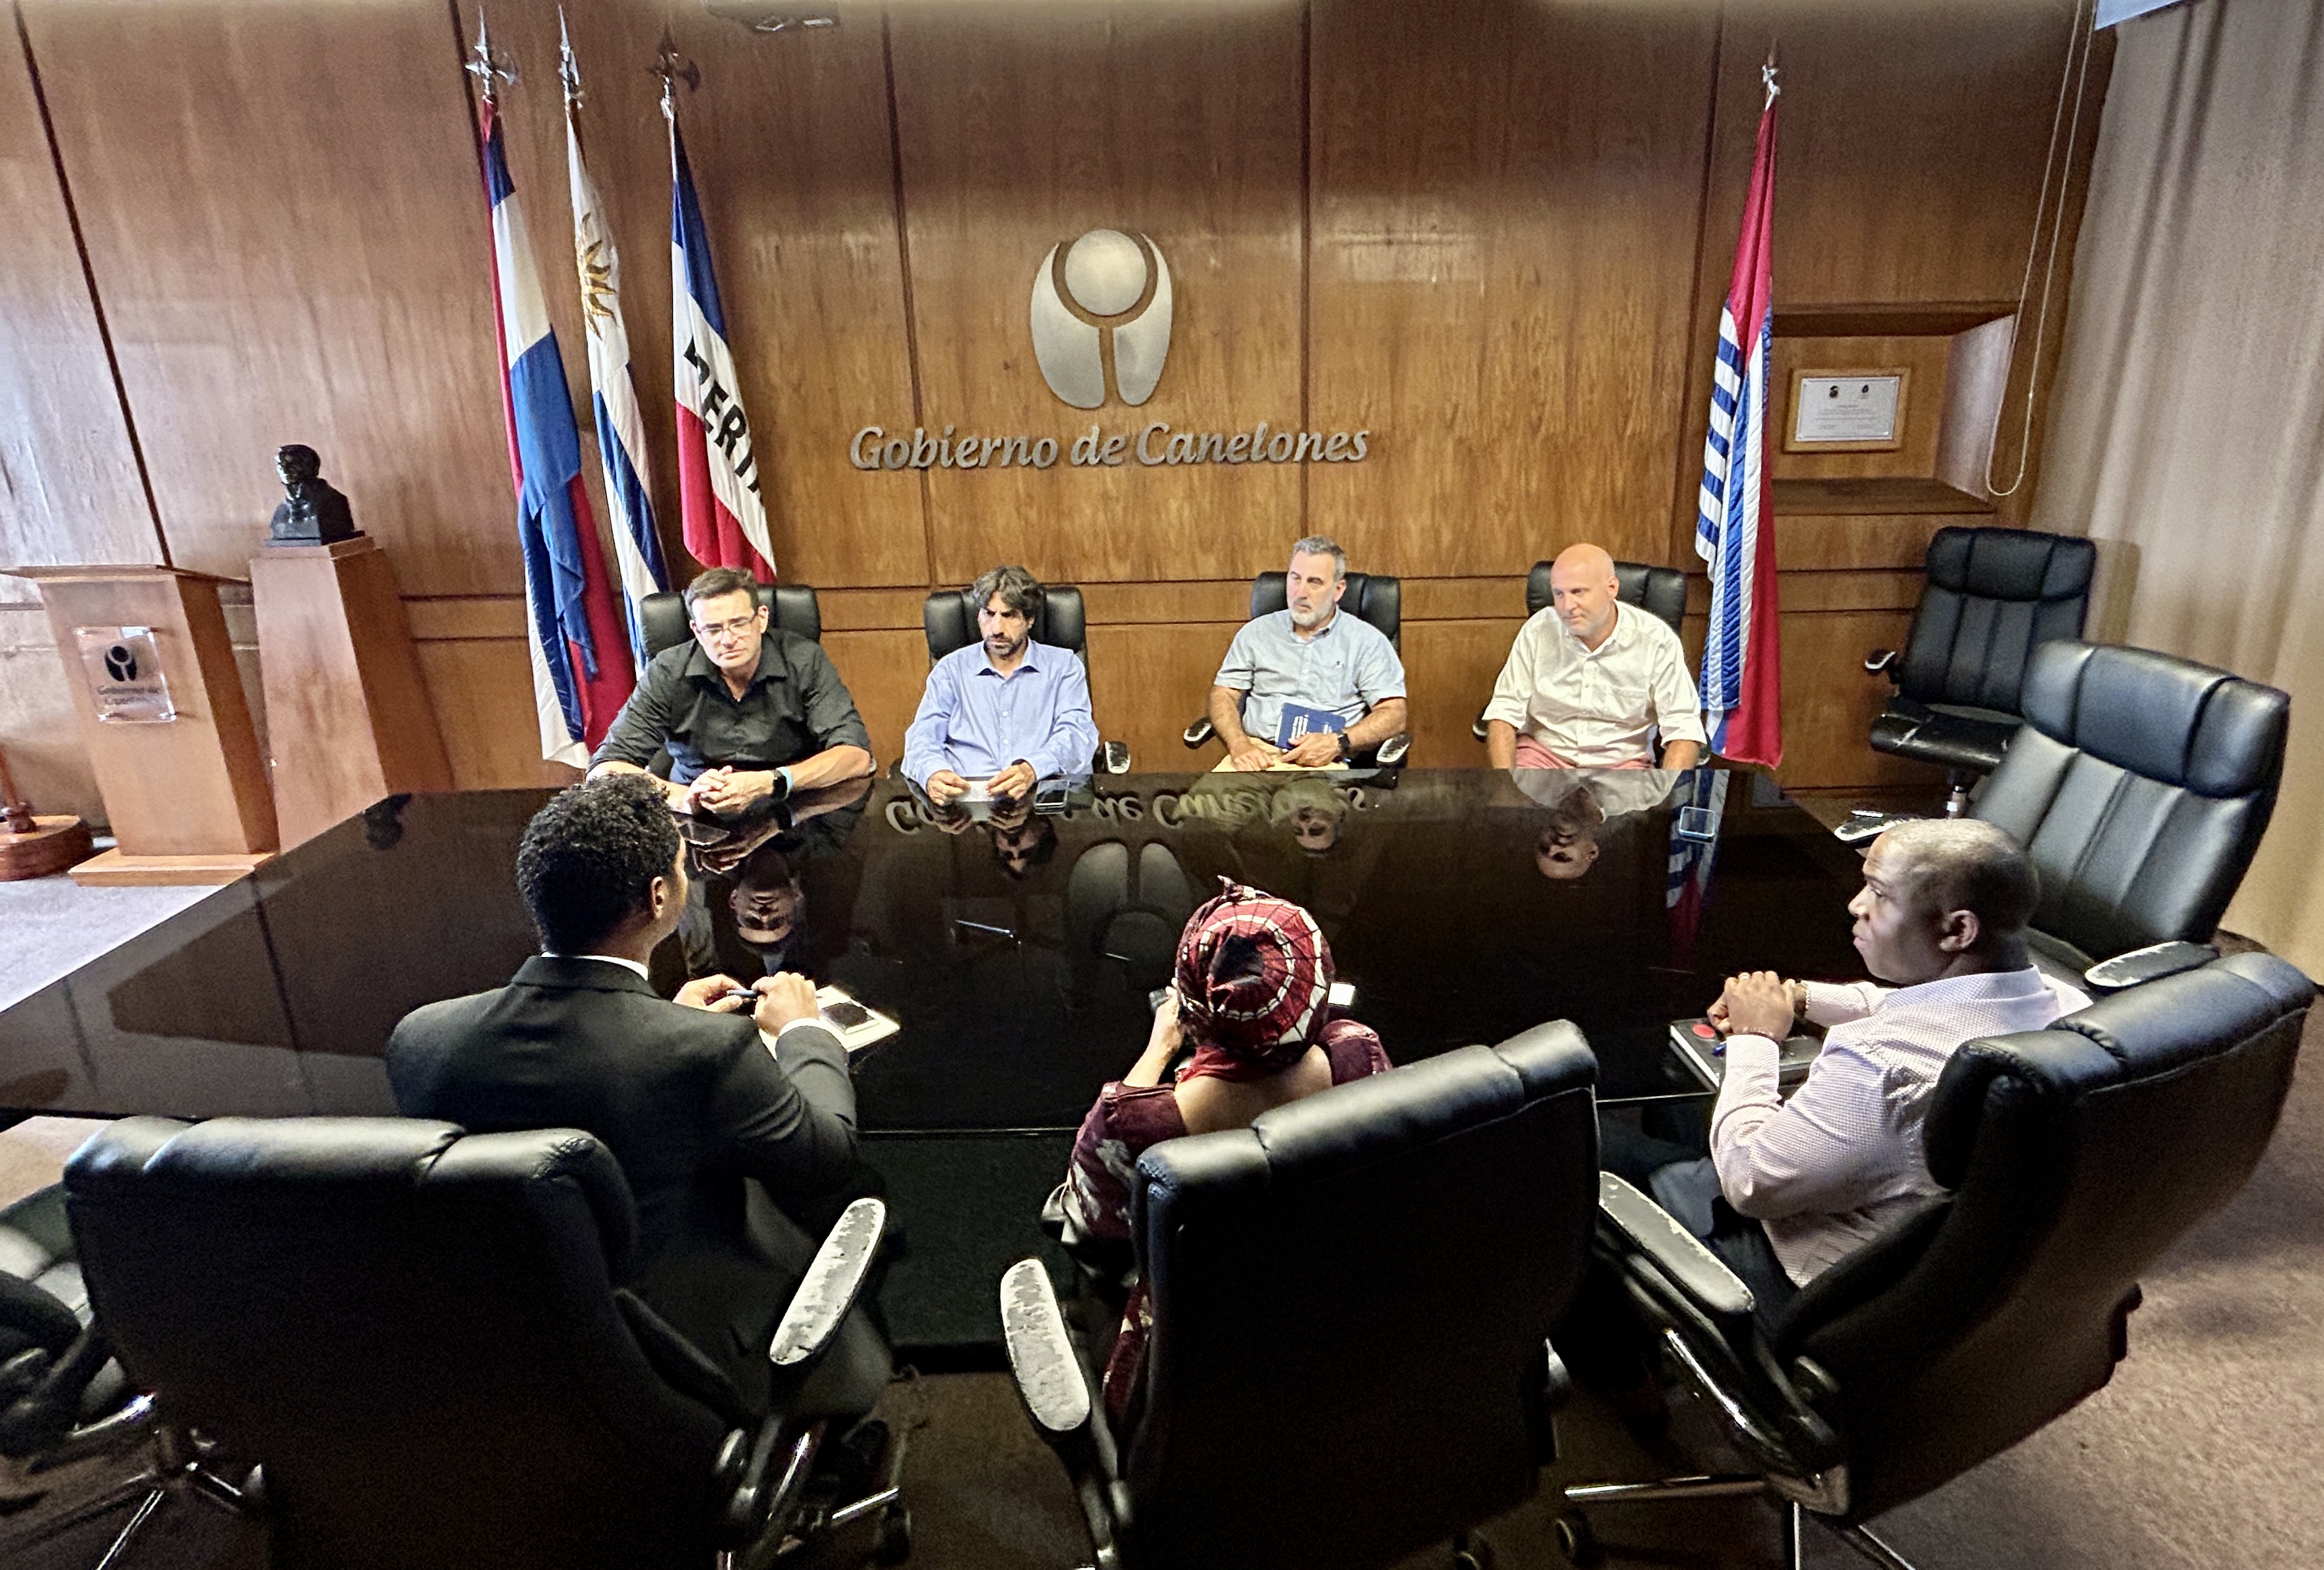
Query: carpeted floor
x=2204, y=1451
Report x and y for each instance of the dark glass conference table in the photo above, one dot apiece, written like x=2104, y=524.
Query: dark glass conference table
x=1017, y=952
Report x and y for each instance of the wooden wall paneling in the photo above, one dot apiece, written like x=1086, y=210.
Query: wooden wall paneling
x=1505, y=213
x=285, y=220
x=1959, y=98
x=69, y=490
x=1019, y=132
x=1449, y=669
x=886, y=671
x=1149, y=682
x=1926, y=391
x=481, y=689
x=1830, y=702
x=789, y=143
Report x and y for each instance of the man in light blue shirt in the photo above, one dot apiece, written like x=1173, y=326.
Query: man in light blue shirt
x=1307, y=686
x=1004, y=712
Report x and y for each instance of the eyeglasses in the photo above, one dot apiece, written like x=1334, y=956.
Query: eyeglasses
x=735, y=628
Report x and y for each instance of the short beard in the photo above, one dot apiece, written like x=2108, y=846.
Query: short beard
x=1312, y=619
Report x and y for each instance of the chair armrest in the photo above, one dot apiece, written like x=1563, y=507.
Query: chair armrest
x=1041, y=1357
x=1703, y=1313
x=1198, y=732
x=1881, y=662
x=1059, y=1393
x=833, y=1280
x=2153, y=963
x=1476, y=728
x=1391, y=752
x=1113, y=757
x=1647, y=1228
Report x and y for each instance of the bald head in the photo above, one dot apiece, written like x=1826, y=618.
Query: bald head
x=1582, y=591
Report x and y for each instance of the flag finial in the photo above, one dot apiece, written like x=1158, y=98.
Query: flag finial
x=568, y=64
x=673, y=67
x=488, y=65
x=1768, y=80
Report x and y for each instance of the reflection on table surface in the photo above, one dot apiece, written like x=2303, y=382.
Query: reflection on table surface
x=1016, y=948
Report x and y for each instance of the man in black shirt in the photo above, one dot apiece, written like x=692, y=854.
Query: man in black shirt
x=747, y=713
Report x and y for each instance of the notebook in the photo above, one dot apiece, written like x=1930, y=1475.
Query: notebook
x=1704, y=1052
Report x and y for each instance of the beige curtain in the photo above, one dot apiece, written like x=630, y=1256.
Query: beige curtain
x=2187, y=430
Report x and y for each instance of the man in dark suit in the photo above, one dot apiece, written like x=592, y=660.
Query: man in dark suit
x=684, y=1093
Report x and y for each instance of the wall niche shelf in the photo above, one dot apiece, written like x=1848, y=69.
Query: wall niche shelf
x=1958, y=354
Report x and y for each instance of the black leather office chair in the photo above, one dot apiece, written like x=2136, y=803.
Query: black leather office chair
x=418, y=1335
x=2075, y=1156
x=1994, y=595
x=2140, y=786
x=950, y=618
x=1352, y=1299
x=793, y=607
x=1659, y=591
x=1369, y=596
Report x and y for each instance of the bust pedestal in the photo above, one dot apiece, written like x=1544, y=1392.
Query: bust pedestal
x=347, y=715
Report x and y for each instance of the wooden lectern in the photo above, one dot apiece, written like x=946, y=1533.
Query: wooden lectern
x=347, y=715
x=186, y=795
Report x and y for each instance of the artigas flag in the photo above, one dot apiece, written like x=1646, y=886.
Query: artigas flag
x=621, y=426
x=581, y=671
x=1734, y=530
x=724, y=521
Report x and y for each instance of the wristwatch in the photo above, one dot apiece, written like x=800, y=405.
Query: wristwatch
x=1799, y=993
x=1346, y=751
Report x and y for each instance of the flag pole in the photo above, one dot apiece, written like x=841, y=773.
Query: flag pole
x=488, y=65
x=569, y=75
x=673, y=67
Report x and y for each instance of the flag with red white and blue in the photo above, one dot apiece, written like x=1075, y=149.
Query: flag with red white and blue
x=724, y=519
x=1735, y=533
x=581, y=668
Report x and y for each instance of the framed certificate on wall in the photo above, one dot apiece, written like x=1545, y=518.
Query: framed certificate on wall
x=1848, y=410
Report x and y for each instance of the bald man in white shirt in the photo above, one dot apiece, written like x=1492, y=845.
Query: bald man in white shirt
x=1591, y=682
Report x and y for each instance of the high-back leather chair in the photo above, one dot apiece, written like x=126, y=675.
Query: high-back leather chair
x=416, y=1333
x=1993, y=597
x=1350, y=1301
x=1369, y=596
x=793, y=607
x=1659, y=591
x=2140, y=786
x=2074, y=1158
x=949, y=617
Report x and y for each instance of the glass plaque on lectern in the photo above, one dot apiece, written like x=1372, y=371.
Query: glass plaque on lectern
x=123, y=667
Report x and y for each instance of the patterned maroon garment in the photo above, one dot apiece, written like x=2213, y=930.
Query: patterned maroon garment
x=1124, y=1124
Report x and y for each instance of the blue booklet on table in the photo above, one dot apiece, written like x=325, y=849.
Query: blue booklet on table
x=1298, y=720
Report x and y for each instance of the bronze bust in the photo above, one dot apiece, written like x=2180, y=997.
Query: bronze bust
x=312, y=513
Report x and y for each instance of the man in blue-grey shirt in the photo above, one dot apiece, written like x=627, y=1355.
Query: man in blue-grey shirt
x=1307, y=686
x=1003, y=712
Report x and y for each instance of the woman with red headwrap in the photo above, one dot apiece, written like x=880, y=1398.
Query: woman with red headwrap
x=1252, y=995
